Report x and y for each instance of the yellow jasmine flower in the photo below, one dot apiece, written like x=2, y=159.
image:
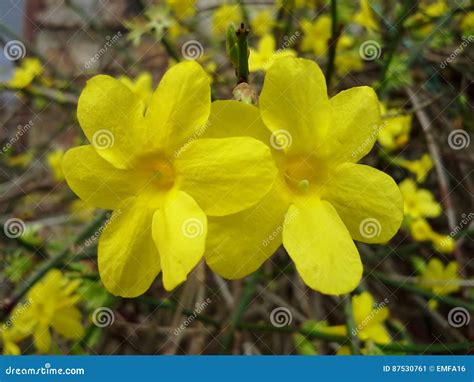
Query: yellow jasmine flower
x=419, y=167
x=10, y=338
x=440, y=279
x=51, y=303
x=365, y=16
x=467, y=23
x=262, y=23
x=316, y=35
x=322, y=199
x=418, y=202
x=160, y=179
x=142, y=86
x=224, y=16
x=265, y=56
x=395, y=130
x=182, y=8
x=422, y=231
x=54, y=159
x=26, y=73
x=347, y=62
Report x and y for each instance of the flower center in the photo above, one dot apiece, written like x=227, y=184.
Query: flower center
x=160, y=170
x=304, y=174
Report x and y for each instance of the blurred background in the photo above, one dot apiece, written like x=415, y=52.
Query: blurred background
x=416, y=296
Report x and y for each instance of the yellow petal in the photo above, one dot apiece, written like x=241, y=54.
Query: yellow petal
x=67, y=322
x=95, y=180
x=321, y=247
x=362, y=307
x=109, y=114
x=367, y=200
x=376, y=333
x=294, y=103
x=227, y=175
x=180, y=106
x=179, y=231
x=355, y=124
x=128, y=258
x=42, y=338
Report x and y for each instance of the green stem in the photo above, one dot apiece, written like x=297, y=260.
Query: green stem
x=242, y=51
x=170, y=49
x=332, y=43
x=351, y=326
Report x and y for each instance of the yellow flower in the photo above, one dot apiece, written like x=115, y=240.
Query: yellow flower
x=467, y=23
x=422, y=231
x=418, y=202
x=262, y=23
x=440, y=279
x=26, y=73
x=396, y=129
x=81, y=210
x=223, y=17
x=54, y=159
x=265, y=56
x=316, y=35
x=10, y=338
x=182, y=8
x=419, y=167
x=322, y=199
x=347, y=62
x=51, y=303
x=142, y=86
x=365, y=16
x=160, y=179
x=369, y=320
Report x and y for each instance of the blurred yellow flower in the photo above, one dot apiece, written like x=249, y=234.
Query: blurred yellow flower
x=395, y=130
x=142, y=86
x=262, y=23
x=51, y=303
x=418, y=202
x=316, y=35
x=26, y=73
x=419, y=167
x=365, y=16
x=10, y=338
x=422, y=231
x=347, y=62
x=22, y=160
x=264, y=57
x=160, y=179
x=54, y=159
x=81, y=210
x=467, y=23
x=440, y=279
x=182, y=8
x=322, y=199
x=224, y=16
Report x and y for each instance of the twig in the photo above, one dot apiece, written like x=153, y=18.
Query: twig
x=242, y=50
x=332, y=43
x=350, y=325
